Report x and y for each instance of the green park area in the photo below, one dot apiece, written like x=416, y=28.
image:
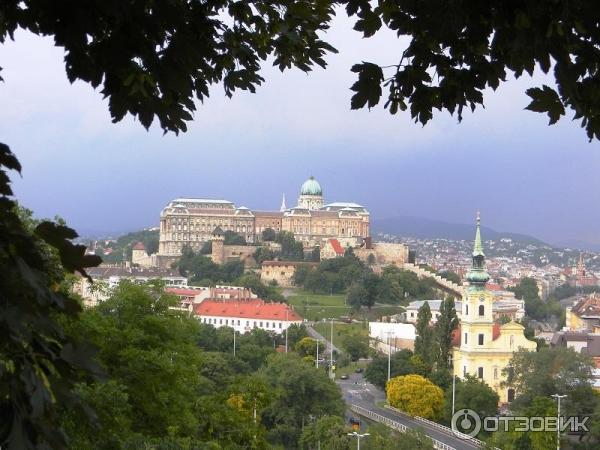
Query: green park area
x=316, y=307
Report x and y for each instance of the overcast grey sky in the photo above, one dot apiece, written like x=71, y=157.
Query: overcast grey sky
x=523, y=175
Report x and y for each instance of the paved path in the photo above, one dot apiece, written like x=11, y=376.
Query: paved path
x=314, y=334
x=356, y=391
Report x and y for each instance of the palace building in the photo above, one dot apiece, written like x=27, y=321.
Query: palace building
x=191, y=221
x=483, y=348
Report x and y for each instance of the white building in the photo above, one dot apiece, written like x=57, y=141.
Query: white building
x=386, y=336
x=245, y=315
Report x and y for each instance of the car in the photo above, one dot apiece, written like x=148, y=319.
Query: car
x=344, y=377
x=359, y=370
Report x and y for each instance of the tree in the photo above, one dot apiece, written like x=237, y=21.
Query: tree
x=472, y=50
x=252, y=281
x=356, y=345
x=416, y=396
x=451, y=276
x=472, y=393
x=39, y=361
x=268, y=235
x=445, y=326
x=263, y=254
x=233, y=238
x=326, y=432
x=424, y=341
x=308, y=347
x=301, y=391
x=356, y=295
x=295, y=333
x=383, y=438
x=549, y=371
x=400, y=364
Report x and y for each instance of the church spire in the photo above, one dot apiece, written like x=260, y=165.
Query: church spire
x=477, y=275
x=478, y=246
x=283, y=207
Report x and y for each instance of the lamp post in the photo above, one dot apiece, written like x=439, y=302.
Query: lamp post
x=358, y=437
x=453, y=392
x=558, y=397
x=234, y=342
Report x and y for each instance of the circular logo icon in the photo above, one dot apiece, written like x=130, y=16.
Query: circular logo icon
x=466, y=423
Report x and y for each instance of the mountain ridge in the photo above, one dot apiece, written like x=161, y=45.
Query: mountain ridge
x=421, y=228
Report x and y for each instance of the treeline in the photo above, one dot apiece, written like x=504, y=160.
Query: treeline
x=535, y=307
x=290, y=249
x=363, y=287
x=125, y=243
x=168, y=381
x=202, y=271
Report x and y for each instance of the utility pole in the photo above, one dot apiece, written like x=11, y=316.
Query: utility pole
x=389, y=333
x=318, y=353
x=234, y=342
x=331, y=375
x=558, y=397
x=358, y=437
x=287, y=324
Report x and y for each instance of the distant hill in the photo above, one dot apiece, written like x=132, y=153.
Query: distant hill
x=420, y=228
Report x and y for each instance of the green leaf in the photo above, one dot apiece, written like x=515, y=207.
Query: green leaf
x=368, y=86
x=546, y=100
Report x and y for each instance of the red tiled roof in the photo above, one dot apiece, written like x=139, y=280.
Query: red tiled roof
x=494, y=287
x=139, y=246
x=337, y=248
x=249, y=309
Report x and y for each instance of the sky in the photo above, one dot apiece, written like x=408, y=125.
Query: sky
x=523, y=175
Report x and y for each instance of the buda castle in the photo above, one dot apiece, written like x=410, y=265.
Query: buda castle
x=191, y=221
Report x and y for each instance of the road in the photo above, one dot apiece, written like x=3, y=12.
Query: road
x=314, y=334
x=356, y=391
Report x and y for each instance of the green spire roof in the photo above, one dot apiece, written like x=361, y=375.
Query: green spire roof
x=477, y=275
x=478, y=246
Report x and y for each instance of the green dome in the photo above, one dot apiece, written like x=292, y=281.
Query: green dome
x=311, y=187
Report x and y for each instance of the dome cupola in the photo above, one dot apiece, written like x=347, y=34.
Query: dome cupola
x=311, y=187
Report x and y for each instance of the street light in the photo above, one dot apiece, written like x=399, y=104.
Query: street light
x=358, y=436
x=287, y=324
x=318, y=353
x=234, y=342
x=558, y=397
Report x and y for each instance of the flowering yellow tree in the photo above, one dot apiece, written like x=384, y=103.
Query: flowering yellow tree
x=416, y=395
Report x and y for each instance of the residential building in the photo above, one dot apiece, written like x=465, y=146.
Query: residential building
x=585, y=315
x=245, y=315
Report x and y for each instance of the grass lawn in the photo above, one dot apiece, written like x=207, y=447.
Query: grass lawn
x=316, y=307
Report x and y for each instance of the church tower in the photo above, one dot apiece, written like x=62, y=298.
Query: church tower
x=477, y=319
x=484, y=348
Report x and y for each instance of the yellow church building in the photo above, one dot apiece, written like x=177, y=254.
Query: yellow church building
x=483, y=348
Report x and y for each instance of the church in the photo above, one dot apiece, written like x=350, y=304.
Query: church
x=483, y=348
x=191, y=221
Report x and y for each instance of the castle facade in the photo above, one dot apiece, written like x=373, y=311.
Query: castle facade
x=191, y=221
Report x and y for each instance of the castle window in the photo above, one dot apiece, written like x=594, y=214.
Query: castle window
x=464, y=371
x=481, y=310
x=480, y=338
x=466, y=338
x=512, y=341
x=480, y=372
x=466, y=310
x=495, y=373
